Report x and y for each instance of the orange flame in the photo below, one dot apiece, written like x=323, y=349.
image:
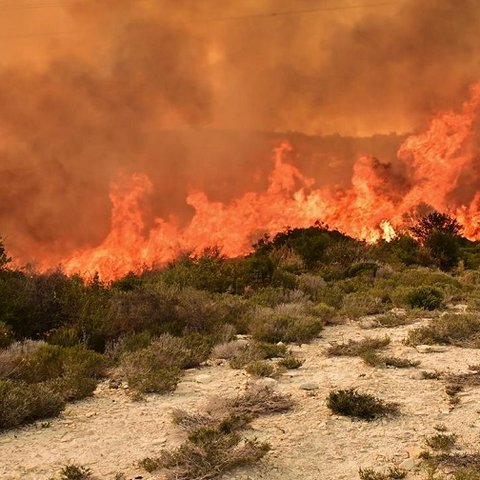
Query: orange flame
x=372, y=208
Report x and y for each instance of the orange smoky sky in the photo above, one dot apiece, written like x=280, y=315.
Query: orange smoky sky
x=196, y=93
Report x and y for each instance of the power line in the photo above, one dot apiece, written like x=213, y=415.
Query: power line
x=252, y=16
x=306, y=11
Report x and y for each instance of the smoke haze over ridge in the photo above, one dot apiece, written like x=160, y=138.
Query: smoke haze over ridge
x=130, y=85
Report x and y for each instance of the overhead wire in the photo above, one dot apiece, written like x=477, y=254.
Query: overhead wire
x=252, y=16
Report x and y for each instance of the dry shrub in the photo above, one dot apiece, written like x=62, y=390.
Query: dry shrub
x=75, y=472
x=210, y=455
x=214, y=445
x=390, y=320
x=261, y=368
x=442, y=441
x=24, y=403
x=229, y=350
x=291, y=362
x=351, y=403
x=460, y=330
x=285, y=323
x=241, y=353
x=372, y=358
x=11, y=357
x=257, y=401
x=354, y=348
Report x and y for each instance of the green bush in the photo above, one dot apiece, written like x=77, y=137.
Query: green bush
x=52, y=361
x=286, y=323
x=6, y=335
x=425, y=297
x=157, y=368
x=461, y=330
x=22, y=403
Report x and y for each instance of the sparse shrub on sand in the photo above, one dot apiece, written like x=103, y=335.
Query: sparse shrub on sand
x=460, y=330
x=354, y=348
x=75, y=472
x=372, y=358
x=351, y=403
x=214, y=444
x=391, y=474
x=290, y=362
x=442, y=441
x=261, y=368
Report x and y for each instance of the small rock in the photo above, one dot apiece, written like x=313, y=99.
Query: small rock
x=431, y=349
x=309, y=386
x=203, y=378
x=265, y=382
x=417, y=376
x=366, y=324
x=414, y=452
x=90, y=414
x=407, y=464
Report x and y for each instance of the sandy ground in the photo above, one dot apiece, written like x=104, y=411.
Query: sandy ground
x=109, y=432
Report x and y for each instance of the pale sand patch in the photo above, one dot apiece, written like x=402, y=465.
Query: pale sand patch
x=109, y=433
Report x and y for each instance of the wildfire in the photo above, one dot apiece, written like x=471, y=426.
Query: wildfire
x=373, y=207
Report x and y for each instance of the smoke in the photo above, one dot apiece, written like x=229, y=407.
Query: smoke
x=182, y=91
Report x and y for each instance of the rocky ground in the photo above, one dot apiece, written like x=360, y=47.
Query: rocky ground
x=109, y=433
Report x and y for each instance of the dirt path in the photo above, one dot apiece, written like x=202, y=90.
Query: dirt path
x=109, y=433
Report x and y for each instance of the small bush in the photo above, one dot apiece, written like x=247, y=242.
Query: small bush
x=52, y=361
x=350, y=403
x=12, y=357
x=425, y=297
x=460, y=330
x=375, y=360
x=210, y=456
x=442, y=441
x=390, y=320
x=75, y=472
x=213, y=445
x=255, y=402
x=392, y=474
x=354, y=348
x=23, y=403
x=6, y=335
x=291, y=363
x=261, y=368
x=285, y=323
x=241, y=354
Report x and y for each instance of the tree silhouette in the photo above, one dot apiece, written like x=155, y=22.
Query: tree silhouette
x=440, y=235
x=435, y=222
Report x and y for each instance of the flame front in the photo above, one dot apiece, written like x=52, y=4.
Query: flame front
x=374, y=206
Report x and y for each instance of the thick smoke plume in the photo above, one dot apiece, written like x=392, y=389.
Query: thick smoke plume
x=186, y=91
